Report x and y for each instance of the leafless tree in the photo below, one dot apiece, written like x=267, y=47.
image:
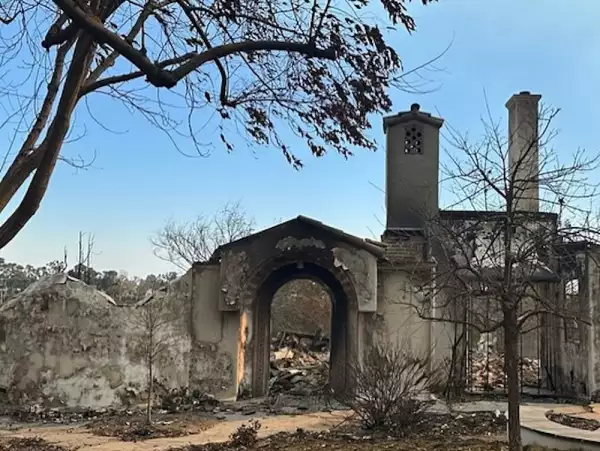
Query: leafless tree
x=319, y=69
x=496, y=263
x=301, y=306
x=188, y=242
x=154, y=319
x=83, y=269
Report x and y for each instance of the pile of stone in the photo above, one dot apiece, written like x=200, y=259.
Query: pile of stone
x=299, y=364
x=487, y=372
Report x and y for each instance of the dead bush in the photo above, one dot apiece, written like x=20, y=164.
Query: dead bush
x=246, y=436
x=387, y=389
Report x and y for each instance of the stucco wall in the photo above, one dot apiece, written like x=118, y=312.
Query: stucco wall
x=62, y=343
x=253, y=269
x=575, y=342
x=593, y=293
x=398, y=322
x=363, y=269
x=443, y=333
x=215, y=335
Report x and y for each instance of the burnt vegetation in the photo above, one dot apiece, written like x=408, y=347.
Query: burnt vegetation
x=387, y=389
x=317, y=68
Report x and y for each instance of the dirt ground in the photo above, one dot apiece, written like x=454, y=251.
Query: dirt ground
x=80, y=438
x=298, y=443
x=306, y=441
x=28, y=444
x=333, y=431
x=132, y=429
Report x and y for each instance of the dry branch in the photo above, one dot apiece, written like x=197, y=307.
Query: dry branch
x=319, y=69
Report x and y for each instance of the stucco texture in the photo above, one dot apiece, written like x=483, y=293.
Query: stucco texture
x=63, y=343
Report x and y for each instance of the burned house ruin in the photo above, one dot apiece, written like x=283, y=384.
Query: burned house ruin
x=373, y=285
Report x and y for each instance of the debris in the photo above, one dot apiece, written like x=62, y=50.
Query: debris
x=38, y=414
x=245, y=436
x=487, y=371
x=167, y=402
x=299, y=364
x=184, y=400
x=29, y=444
x=477, y=431
x=574, y=421
x=133, y=429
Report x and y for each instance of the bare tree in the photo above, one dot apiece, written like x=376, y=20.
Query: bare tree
x=321, y=68
x=154, y=317
x=496, y=256
x=186, y=243
x=83, y=269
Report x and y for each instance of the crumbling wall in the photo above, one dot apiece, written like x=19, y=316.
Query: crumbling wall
x=362, y=266
x=215, y=335
x=593, y=331
x=63, y=343
x=171, y=339
x=572, y=367
x=234, y=270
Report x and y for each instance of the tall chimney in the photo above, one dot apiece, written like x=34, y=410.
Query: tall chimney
x=523, y=149
x=412, y=167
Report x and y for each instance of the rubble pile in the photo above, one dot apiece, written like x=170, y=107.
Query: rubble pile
x=299, y=364
x=185, y=400
x=37, y=413
x=487, y=371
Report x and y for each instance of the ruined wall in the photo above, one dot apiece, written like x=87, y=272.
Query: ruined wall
x=476, y=239
x=572, y=360
x=253, y=269
x=294, y=241
x=172, y=335
x=574, y=365
x=593, y=331
x=362, y=267
x=63, y=343
x=215, y=335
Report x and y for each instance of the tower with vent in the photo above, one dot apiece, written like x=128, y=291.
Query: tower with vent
x=412, y=172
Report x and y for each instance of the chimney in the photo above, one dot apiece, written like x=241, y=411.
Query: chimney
x=523, y=149
x=412, y=166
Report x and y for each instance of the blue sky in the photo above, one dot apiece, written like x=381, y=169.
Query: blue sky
x=139, y=180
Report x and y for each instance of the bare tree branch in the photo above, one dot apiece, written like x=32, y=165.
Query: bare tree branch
x=491, y=267
x=319, y=69
x=183, y=244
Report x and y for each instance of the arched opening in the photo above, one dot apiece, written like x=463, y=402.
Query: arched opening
x=300, y=337
x=340, y=318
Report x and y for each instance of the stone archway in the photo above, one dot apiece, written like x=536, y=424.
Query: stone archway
x=274, y=274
